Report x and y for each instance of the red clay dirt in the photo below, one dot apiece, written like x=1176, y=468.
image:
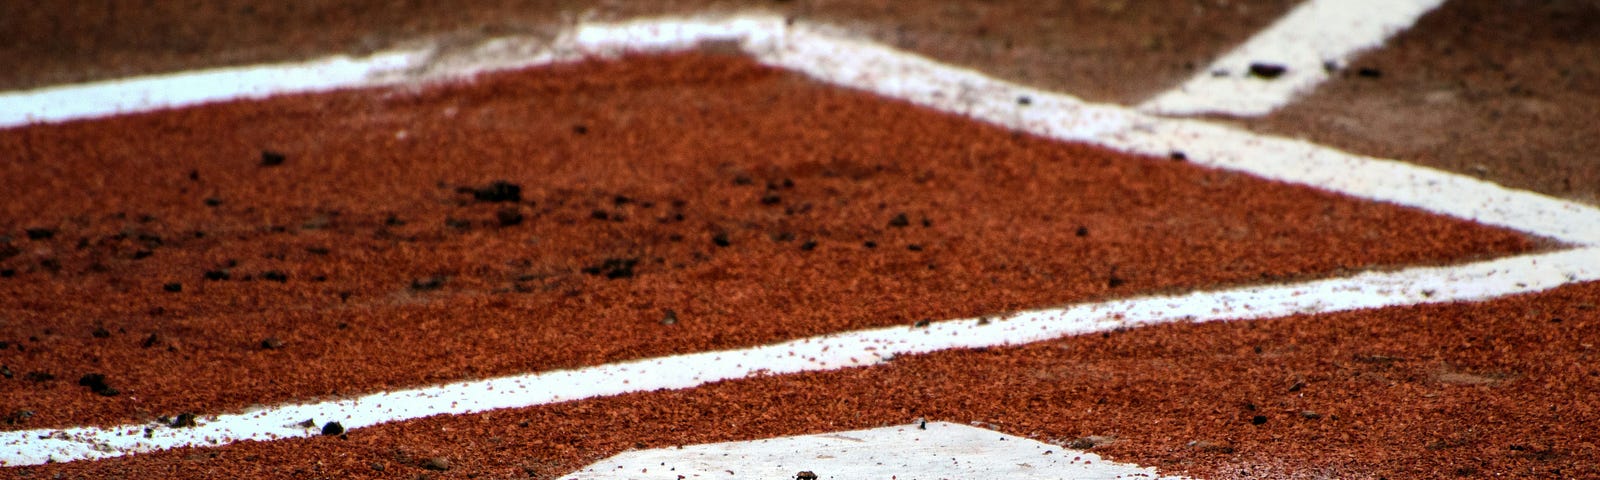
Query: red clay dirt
x=208, y=259
x=1505, y=388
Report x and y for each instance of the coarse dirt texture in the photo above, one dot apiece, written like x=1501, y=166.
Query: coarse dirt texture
x=1507, y=91
x=1501, y=388
x=323, y=245
x=1103, y=50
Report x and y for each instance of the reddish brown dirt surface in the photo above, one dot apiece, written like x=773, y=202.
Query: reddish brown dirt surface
x=1108, y=50
x=366, y=250
x=1508, y=91
x=1502, y=388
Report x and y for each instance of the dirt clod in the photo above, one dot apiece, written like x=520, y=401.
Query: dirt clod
x=436, y=463
x=183, y=420
x=496, y=191
x=272, y=159
x=1267, y=70
x=427, y=283
x=508, y=217
x=613, y=268
x=97, y=383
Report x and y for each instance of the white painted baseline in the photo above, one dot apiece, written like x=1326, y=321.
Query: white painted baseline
x=1477, y=281
x=1316, y=34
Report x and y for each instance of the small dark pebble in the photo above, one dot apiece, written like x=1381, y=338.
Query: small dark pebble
x=142, y=254
x=496, y=191
x=598, y=214
x=1114, y=281
x=173, y=287
x=19, y=416
x=184, y=420
x=1024, y=100
x=579, y=129
x=508, y=217
x=393, y=221
x=922, y=323
x=742, y=180
x=437, y=463
x=1083, y=231
x=721, y=240
x=272, y=159
x=771, y=199
x=97, y=384
x=1267, y=70
x=1258, y=420
x=620, y=200
x=217, y=275
x=613, y=268
x=213, y=201
x=271, y=343
x=914, y=247
x=807, y=474
x=378, y=467
x=1178, y=156
x=670, y=318
x=40, y=233
x=1369, y=72
x=332, y=428
x=101, y=332
x=869, y=244
x=899, y=220
x=275, y=276
x=8, y=273
x=427, y=283
x=151, y=341
x=808, y=245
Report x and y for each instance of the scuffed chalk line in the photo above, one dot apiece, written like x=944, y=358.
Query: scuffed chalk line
x=1476, y=281
x=828, y=56
x=1315, y=35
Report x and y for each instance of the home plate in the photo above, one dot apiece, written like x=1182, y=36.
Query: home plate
x=941, y=450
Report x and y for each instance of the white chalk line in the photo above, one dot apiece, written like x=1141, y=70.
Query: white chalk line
x=1315, y=36
x=830, y=56
x=1414, y=286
